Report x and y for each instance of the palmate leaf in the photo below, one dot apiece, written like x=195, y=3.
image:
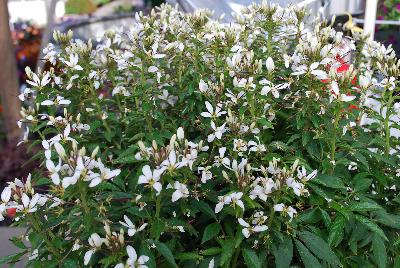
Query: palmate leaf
x=165, y=252
x=379, y=251
x=319, y=247
x=336, y=231
x=211, y=231
x=371, y=225
x=251, y=258
x=329, y=181
x=307, y=258
x=283, y=252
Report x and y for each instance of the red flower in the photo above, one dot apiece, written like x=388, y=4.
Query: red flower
x=11, y=212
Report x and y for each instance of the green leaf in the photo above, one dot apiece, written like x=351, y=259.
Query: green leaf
x=364, y=206
x=283, y=253
x=251, y=258
x=379, y=251
x=329, y=181
x=387, y=219
x=336, y=231
x=371, y=225
x=188, y=256
x=211, y=251
x=157, y=228
x=70, y=263
x=211, y=231
x=165, y=252
x=339, y=208
x=203, y=207
x=12, y=258
x=308, y=259
x=228, y=248
x=18, y=242
x=319, y=247
x=361, y=182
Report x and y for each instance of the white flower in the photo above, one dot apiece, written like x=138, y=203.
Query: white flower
x=180, y=134
x=233, y=198
x=131, y=227
x=318, y=73
x=152, y=69
x=218, y=131
x=181, y=191
x=302, y=174
x=285, y=210
x=167, y=99
x=95, y=242
x=133, y=260
x=205, y=174
x=298, y=188
x=105, y=174
x=203, y=87
x=62, y=137
x=121, y=90
x=6, y=194
x=59, y=100
x=151, y=178
x=221, y=159
x=270, y=64
x=211, y=264
x=73, y=62
x=36, y=80
x=338, y=95
x=171, y=164
x=211, y=113
x=248, y=230
x=5, y=198
x=28, y=205
x=53, y=169
x=71, y=180
x=223, y=200
x=262, y=191
x=239, y=145
x=34, y=254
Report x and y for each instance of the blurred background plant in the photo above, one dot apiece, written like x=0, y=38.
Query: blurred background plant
x=389, y=34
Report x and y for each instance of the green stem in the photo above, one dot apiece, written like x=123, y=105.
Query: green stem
x=38, y=229
x=338, y=114
x=387, y=127
x=235, y=257
x=85, y=207
x=158, y=206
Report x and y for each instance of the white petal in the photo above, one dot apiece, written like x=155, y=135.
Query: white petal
x=88, y=255
x=158, y=187
x=176, y=195
x=209, y=107
x=142, y=179
x=347, y=98
x=335, y=87
x=219, y=207
x=243, y=223
x=6, y=194
x=47, y=103
x=95, y=182
x=246, y=232
x=147, y=171
x=131, y=253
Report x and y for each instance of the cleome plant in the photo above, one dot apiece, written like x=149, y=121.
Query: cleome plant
x=186, y=142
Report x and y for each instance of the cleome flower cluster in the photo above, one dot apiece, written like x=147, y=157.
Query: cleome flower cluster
x=186, y=142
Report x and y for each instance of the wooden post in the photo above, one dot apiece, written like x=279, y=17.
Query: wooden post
x=9, y=88
x=370, y=17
